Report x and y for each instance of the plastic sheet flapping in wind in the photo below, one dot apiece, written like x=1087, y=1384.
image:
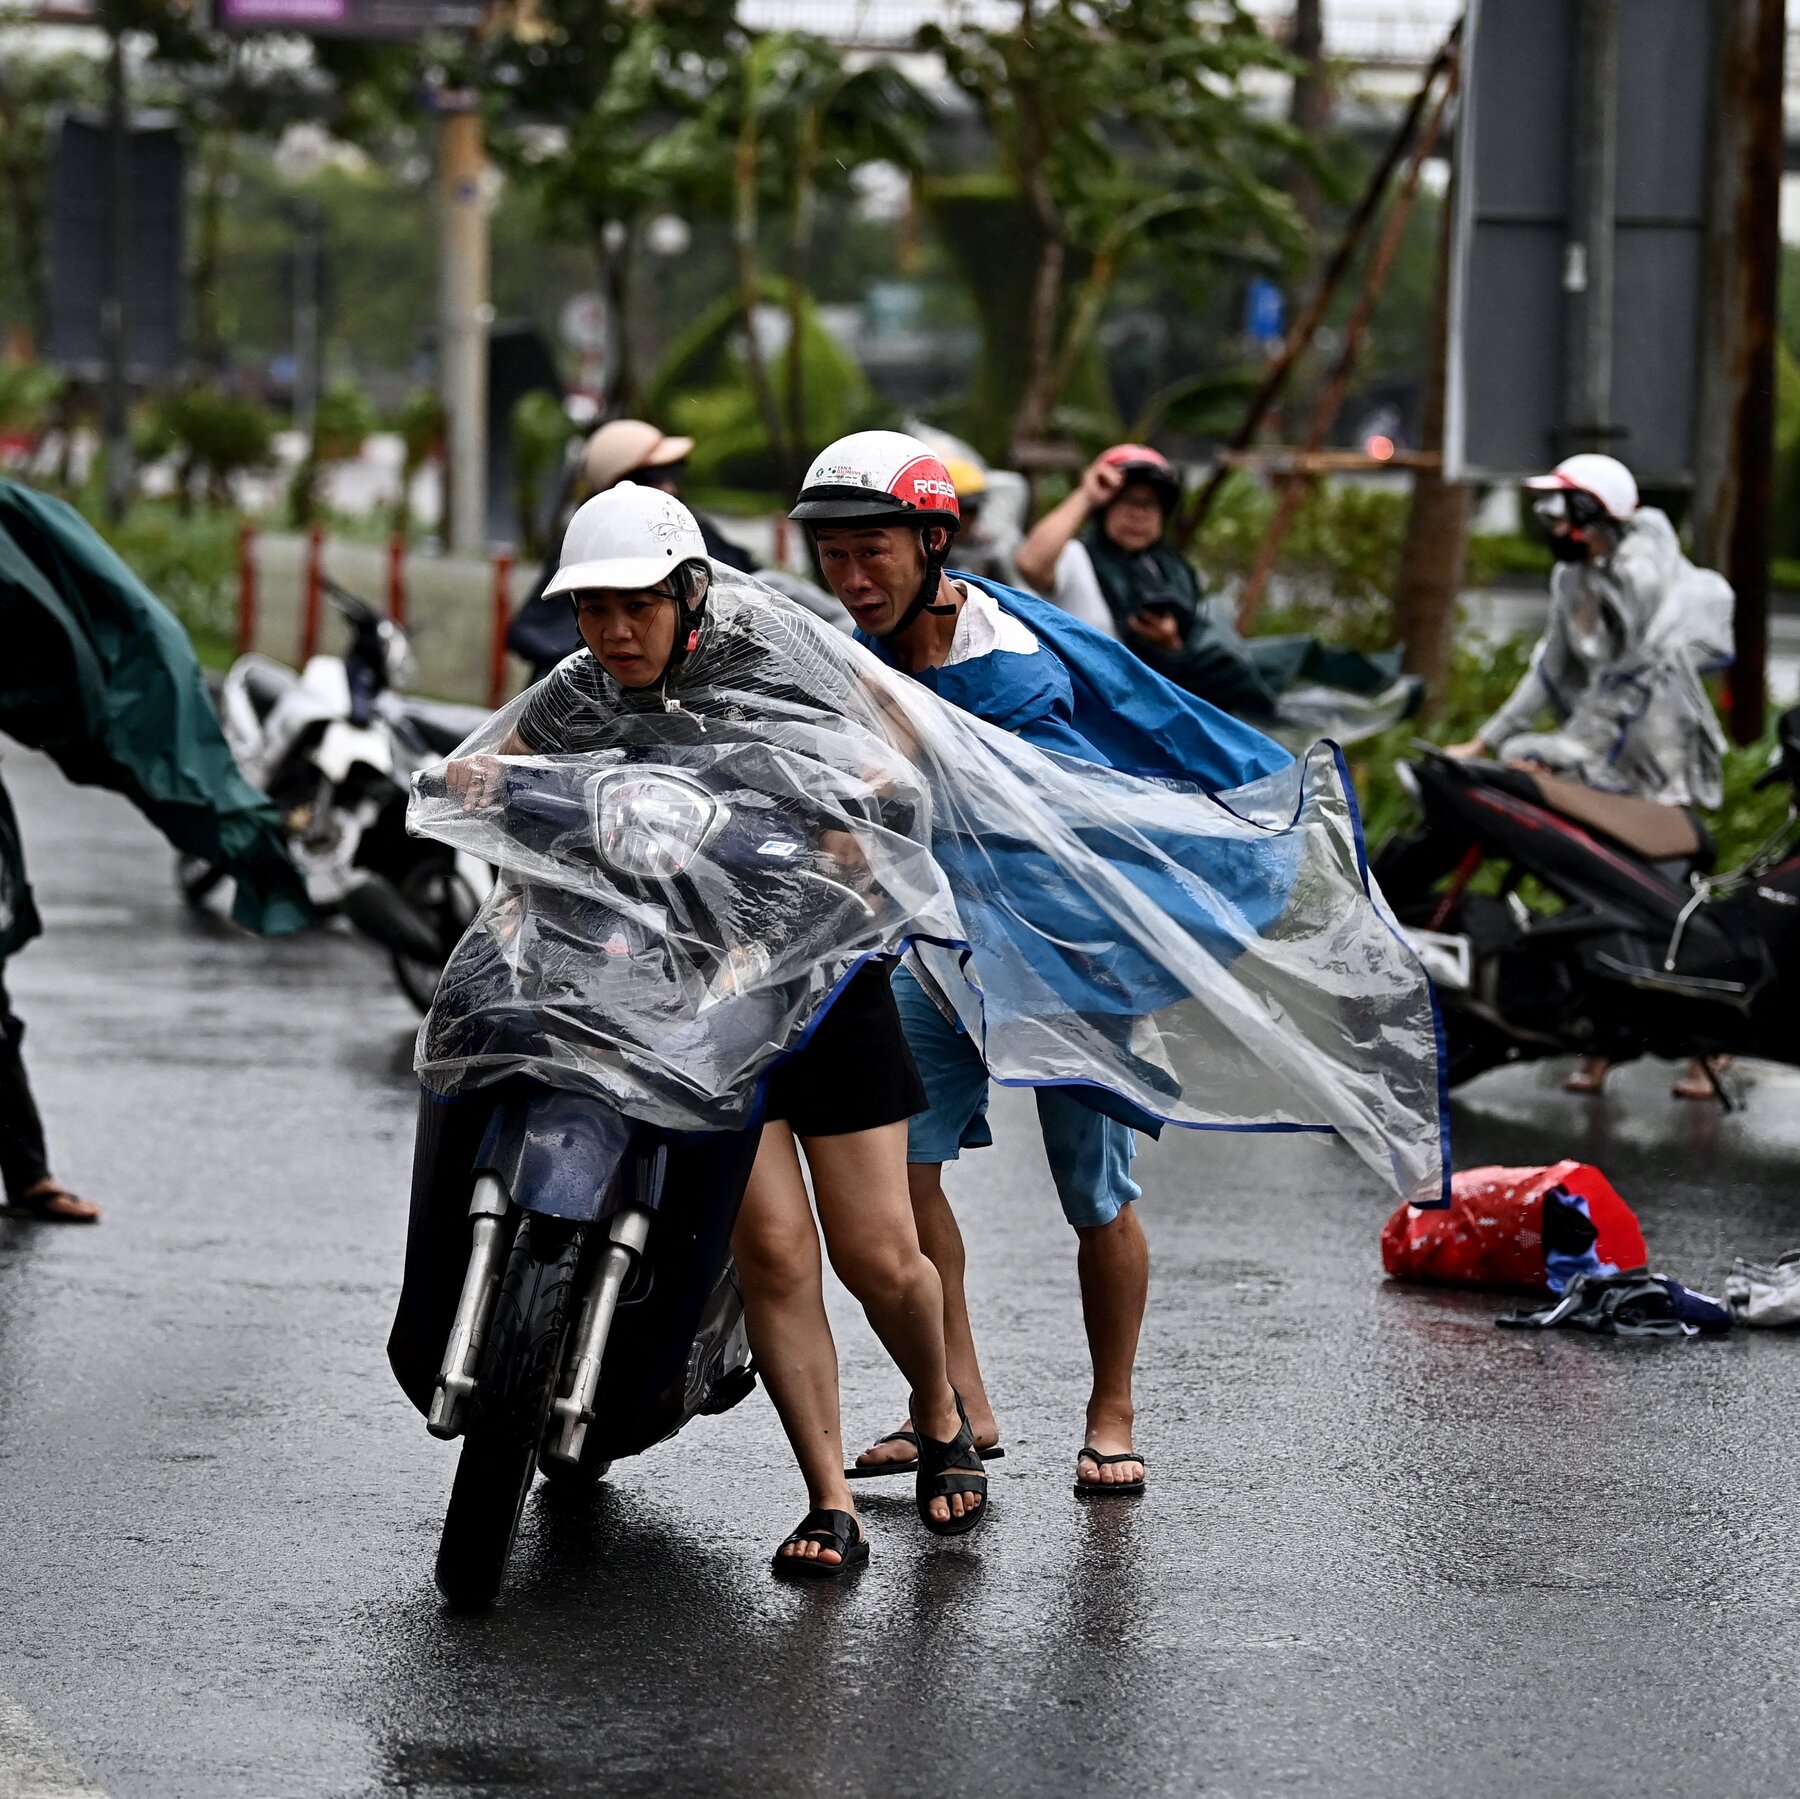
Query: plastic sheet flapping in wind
x=681, y=894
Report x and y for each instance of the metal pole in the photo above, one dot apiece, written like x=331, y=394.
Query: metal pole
x=1588, y=255
x=464, y=315
x=117, y=414
x=309, y=237
x=1756, y=88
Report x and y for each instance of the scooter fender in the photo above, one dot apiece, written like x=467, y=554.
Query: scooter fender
x=344, y=746
x=568, y=1156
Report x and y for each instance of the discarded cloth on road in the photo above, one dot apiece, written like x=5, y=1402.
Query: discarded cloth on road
x=1627, y=1305
x=1765, y=1296
x=672, y=920
x=1516, y=1227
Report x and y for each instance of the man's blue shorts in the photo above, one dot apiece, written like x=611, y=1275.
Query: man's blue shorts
x=1090, y=1154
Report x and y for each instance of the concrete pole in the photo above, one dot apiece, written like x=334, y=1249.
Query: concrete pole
x=1588, y=255
x=117, y=399
x=1734, y=459
x=464, y=314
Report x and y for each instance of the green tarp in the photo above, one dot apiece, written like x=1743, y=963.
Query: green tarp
x=99, y=675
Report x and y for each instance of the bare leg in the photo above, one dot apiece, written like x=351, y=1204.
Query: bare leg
x=941, y=1239
x=1113, y=1262
x=1590, y=1077
x=1695, y=1083
x=865, y=1210
x=776, y=1246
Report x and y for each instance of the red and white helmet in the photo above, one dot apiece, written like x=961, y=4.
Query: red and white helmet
x=877, y=478
x=1603, y=478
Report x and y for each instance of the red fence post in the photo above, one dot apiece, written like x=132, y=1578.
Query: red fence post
x=396, y=578
x=502, y=618
x=312, y=594
x=781, y=540
x=246, y=598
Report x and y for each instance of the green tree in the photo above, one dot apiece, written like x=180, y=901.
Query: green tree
x=1124, y=127
x=803, y=124
x=585, y=98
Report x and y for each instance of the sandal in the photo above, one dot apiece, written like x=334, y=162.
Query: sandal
x=946, y=1469
x=52, y=1205
x=1123, y=1489
x=874, y=1470
x=830, y=1530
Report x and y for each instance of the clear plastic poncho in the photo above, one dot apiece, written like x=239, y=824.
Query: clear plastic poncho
x=1621, y=666
x=680, y=897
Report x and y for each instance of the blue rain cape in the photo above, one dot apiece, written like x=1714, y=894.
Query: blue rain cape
x=687, y=877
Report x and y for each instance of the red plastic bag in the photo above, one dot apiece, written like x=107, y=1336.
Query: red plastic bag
x=1492, y=1233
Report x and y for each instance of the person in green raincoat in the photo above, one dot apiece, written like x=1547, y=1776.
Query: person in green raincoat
x=100, y=676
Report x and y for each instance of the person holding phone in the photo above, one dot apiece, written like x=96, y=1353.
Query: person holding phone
x=1101, y=556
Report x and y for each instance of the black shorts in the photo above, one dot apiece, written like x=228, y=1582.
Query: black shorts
x=855, y=1072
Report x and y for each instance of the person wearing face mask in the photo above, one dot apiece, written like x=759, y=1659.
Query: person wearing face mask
x=1633, y=629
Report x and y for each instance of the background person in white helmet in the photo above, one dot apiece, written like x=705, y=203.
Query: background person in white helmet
x=634, y=571
x=542, y=632
x=882, y=512
x=1633, y=629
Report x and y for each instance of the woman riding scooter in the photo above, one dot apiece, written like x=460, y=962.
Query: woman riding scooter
x=635, y=570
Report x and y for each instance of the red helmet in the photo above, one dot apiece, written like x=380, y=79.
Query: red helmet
x=877, y=478
x=1140, y=463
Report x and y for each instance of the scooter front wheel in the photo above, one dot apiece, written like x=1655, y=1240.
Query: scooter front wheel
x=520, y=1367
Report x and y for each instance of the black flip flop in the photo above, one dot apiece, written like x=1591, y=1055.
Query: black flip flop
x=1121, y=1489
x=40, y=1207
x=830, y=1530
x=946, y=1469
x=875, y=1471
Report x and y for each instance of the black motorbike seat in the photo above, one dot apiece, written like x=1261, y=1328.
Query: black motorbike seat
x=438, y=737
x=1655, y=832
x=265, y=687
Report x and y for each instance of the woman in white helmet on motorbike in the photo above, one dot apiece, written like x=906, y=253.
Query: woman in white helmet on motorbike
x=635, y=570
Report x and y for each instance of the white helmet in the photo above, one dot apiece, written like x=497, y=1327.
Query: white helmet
x=1605, y=478
x=877, y=478
x=629, y=537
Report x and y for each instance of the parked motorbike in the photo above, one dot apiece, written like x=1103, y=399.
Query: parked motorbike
x=334, y=747
x=1606, y=931
x=597, y=1310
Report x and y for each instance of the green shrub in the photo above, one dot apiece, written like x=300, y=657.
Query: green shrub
x=189, y=563
x=211, y=433
x=540, y=434
x=28, y=391
x=343, y=419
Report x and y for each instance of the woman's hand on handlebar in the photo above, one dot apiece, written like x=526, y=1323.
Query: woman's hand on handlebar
x=479, y=781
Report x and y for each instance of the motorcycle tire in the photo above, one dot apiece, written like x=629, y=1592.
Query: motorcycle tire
x=565, y=1479
x=197, y=879
x=446, y=898
x=521, y=1364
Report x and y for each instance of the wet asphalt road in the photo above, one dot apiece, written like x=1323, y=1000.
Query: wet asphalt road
x=1388, y=1550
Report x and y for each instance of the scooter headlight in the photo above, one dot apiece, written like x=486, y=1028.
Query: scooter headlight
x=652, y=827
